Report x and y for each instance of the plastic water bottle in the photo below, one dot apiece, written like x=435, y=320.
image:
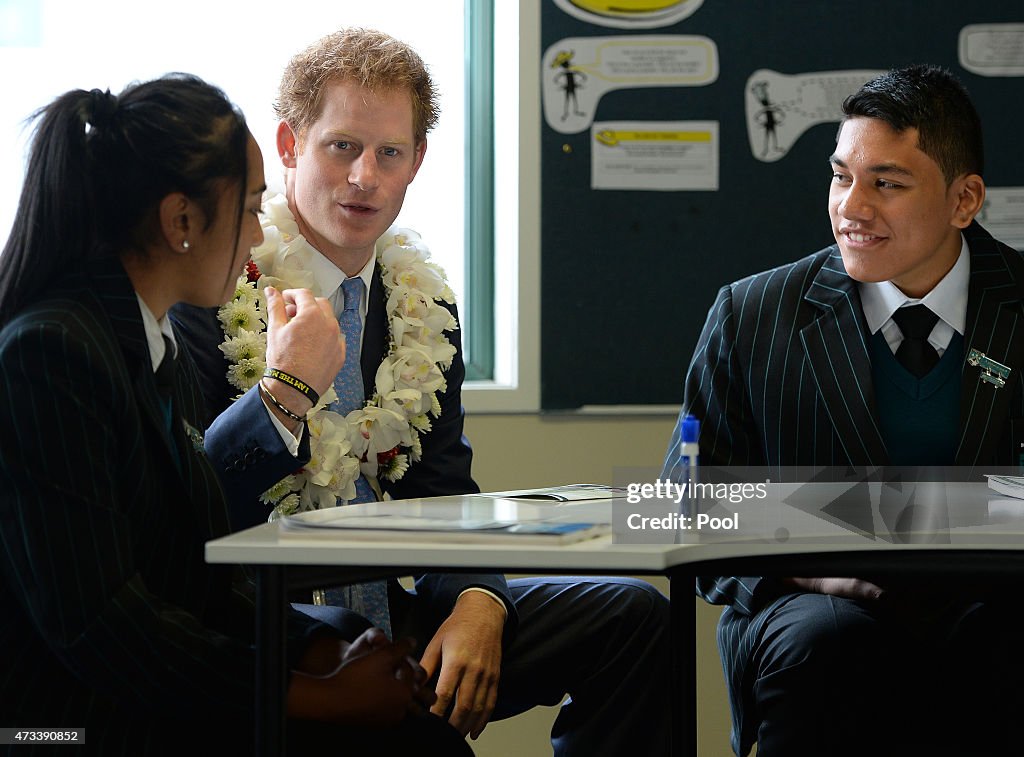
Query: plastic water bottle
x=689, y=461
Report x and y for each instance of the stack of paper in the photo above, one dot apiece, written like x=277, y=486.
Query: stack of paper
x=567, y=493
x=338, y=524
x=1011, y=486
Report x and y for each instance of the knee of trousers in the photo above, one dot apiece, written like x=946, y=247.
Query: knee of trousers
x=628, y=604
x=597, y=609
x=821, y=635
x=642, y=603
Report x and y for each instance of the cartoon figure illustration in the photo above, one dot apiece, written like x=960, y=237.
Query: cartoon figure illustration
x=571, y=79
x=768, y=117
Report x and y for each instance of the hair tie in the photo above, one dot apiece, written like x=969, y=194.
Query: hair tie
x=102, y=106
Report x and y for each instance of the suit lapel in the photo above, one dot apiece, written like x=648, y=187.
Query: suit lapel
x=836, y=350
x=197, y=482
x=201, y=482
x=375, y=334
x=115, y=292
x=995, y=327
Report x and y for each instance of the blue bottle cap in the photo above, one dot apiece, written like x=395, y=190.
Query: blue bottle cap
x=691, y=428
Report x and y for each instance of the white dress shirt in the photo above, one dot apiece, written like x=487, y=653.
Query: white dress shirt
x=155, y=333
x=948, y=300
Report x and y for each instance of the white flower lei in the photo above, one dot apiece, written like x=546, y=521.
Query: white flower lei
x=383, y=436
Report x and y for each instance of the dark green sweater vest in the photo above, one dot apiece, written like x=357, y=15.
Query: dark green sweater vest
x=919, y=418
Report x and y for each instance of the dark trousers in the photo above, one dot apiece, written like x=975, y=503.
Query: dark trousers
x=422, y=735
x=602, y=641
x=812, y=674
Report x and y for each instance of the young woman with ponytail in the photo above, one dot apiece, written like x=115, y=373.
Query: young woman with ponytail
x=114, y=623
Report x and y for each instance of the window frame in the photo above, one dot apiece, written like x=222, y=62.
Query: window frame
x=479, y=253
x=510, y=236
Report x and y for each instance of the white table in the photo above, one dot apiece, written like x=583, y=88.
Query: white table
x=781, y=538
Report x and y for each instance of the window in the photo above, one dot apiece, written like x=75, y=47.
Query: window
x=514, y=385
x=57, y=45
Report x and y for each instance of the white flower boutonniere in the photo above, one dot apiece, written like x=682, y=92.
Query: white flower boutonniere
x=381, y=438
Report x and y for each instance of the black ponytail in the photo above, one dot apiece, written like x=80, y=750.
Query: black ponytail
x=99, y=166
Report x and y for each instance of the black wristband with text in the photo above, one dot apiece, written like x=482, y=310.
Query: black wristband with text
x=297, y=384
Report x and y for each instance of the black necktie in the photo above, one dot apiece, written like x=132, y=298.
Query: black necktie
x=915, y=353
x=164, y=377
x=164, y=373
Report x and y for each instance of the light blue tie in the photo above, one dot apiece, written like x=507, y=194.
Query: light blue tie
x=369, y=599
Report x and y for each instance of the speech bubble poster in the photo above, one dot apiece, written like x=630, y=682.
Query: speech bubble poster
x=577, y=72
x=782, y=107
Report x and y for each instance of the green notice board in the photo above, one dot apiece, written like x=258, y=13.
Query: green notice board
x=677, y=158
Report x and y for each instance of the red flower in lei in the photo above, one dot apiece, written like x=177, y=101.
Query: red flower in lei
x=383, y=457
x=252, y=273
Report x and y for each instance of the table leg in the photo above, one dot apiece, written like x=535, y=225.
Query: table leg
x=271, y=662
x=683, y=626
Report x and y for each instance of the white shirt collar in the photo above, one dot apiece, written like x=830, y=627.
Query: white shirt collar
x=948, y=300
x=155, y=333
x=330, y=278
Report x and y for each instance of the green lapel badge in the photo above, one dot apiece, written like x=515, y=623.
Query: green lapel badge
x=195, y=436
x=991, y=371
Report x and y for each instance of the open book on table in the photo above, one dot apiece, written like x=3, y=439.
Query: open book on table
x=336, y=523
x=567, y=493
x=1011, y=486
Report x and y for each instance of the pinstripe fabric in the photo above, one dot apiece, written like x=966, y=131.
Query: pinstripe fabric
x=800, y=327
x=781, y=377
x=114, y=622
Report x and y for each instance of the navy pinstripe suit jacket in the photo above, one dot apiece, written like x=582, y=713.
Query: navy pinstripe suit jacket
x=113, y=621
x=781, y=375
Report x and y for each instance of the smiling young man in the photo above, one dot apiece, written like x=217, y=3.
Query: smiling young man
x=863, y=346
x=355, y=109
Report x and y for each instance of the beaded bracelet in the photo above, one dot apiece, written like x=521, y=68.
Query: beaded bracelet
x=277, y=403
x=297, y=384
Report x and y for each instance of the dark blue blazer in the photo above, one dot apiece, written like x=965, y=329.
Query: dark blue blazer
x=250, y=456
x=113, y=621
x=781, y=376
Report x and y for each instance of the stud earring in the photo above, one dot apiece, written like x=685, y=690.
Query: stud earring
x=185, y=245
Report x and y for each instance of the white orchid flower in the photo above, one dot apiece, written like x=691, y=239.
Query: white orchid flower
x=382, y=437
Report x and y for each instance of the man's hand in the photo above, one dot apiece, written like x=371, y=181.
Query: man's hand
x=850, y=588
x=467, y=651
x=303, y=339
